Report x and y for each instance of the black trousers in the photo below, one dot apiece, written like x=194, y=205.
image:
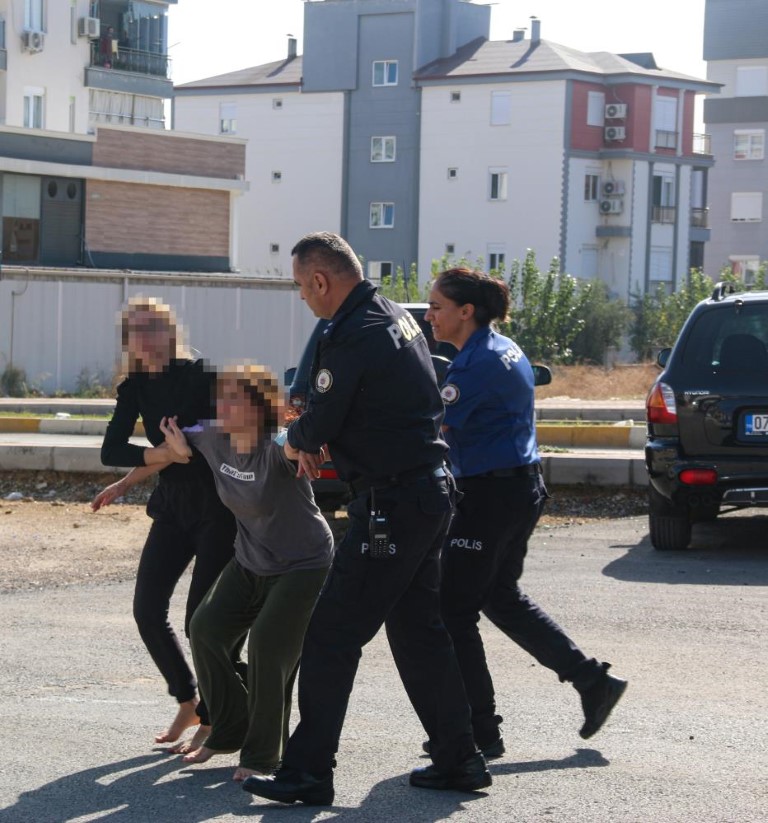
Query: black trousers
x=401, y=592
x=189, y=522
x=482, y=563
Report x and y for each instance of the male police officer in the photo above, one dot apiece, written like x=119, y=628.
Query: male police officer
x=376, y=404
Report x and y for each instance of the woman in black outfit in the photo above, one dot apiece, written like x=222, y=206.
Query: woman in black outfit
x=189, y=520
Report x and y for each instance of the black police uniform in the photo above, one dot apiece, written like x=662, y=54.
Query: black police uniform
x=488, y=392
x=375, y=402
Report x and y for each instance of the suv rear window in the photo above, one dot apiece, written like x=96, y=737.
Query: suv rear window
x=728, y=339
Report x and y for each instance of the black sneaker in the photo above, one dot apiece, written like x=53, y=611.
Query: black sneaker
x=469, y=776
x=598, y=701
x=490, y=752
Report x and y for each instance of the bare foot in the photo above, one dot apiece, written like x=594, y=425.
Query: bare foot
x=241, y=773
x=194, y=742
x=203, y=754
x=185, y=717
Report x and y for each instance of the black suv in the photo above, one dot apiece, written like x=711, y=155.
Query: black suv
x=707, y=446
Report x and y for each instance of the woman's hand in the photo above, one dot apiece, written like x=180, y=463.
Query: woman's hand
x=178, y=449
x=108, y=495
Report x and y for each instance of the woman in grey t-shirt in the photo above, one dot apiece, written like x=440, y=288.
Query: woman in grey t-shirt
x=283, y=550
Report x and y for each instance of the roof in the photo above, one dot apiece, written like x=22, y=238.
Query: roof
x=280, y=73
x=484, y=57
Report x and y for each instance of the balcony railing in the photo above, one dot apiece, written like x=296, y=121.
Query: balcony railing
x=702, y=144
x=666, y=139
x=663, y=214
x=700, y=218
x=133, y=60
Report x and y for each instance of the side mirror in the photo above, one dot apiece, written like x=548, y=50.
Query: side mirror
x=662, y=358
x=288, y=376
x=542, y=376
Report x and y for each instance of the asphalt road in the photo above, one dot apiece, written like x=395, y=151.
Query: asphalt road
x=689, y=742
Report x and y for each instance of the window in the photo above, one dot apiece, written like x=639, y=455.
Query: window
x=34, y=106
x=227, y=118
x=277, y=176
x=274, y=248
x=377, y=269
x=660, y=265
x=453, y=173
x=501, y=108
x=382, y=215
x=665, y=122
x=751, y=81
x=450, y=248
x=277, y=102
x=748, y=145
x=589, y=258
x=663, y=199
x=496, y=260
x=497, y=189
x=385, y=73
x=591, y=187
x=383, y=149
x=595, y=108
x=455, y=97
x=34, y=15
x=747, y=206
x=745, y=266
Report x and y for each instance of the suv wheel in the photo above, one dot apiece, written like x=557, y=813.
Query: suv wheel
x=670, y=525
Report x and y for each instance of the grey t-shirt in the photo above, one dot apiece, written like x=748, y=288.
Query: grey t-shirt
x=279, y=526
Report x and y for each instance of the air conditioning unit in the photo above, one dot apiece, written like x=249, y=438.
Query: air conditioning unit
x=89, y=27
x=32, y=41
x=611, y=188
x=615, y=111
x=614, y=205
x=613, y=133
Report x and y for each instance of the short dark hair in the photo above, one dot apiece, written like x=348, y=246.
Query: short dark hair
x=489, y=295
x=330, y=251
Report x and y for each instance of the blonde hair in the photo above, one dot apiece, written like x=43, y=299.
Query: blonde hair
x=155, y=306
x=262, y=388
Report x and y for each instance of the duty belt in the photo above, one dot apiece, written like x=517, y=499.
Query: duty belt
x=401, y=479
x=529, y=470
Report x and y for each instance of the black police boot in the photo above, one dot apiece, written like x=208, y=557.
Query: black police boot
x=598, y=701
x=491, y=751
x=292, y=786
x=468, y=776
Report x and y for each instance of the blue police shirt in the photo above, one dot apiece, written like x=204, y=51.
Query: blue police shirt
x=488, y=396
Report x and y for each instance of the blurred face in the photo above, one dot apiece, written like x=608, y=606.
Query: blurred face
x=451, y=323
x=150, y=340
x=235, y=411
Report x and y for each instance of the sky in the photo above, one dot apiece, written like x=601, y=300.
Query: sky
x=207, y=38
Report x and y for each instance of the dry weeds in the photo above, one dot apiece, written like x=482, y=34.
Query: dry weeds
x=621, y=382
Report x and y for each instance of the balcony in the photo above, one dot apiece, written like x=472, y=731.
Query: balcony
x=700, y=218
x=666, y=139
x=664, y=214
x=132, y=60
x=702, y=144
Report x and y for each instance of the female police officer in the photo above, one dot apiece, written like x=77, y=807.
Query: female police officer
x=489, y=426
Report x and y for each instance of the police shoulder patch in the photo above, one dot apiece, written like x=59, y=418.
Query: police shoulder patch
x=323, y=381
x=450, y=393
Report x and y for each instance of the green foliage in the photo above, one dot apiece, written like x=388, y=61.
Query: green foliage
x=404, y=288
x=92, y=384
x=545, y=310
x=659, y=317
x=13, y=382
x=605, y=321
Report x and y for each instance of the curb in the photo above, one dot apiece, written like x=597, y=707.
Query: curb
x=48, y=425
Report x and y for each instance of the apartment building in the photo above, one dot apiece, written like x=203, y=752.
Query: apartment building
x=736, y=51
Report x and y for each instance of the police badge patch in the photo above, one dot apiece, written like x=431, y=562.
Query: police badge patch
x=449, y=393
x=323, y=381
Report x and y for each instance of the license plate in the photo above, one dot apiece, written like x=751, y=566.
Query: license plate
x=756, y=425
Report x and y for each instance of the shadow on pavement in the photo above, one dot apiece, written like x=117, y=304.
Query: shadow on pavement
x=729, y=551
x=580, y=759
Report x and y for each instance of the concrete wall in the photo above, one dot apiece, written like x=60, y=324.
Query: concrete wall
x=735, y=28
x=64, y=324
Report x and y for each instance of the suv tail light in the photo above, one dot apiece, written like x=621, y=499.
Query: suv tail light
x=698, y=477
x=660, y=405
